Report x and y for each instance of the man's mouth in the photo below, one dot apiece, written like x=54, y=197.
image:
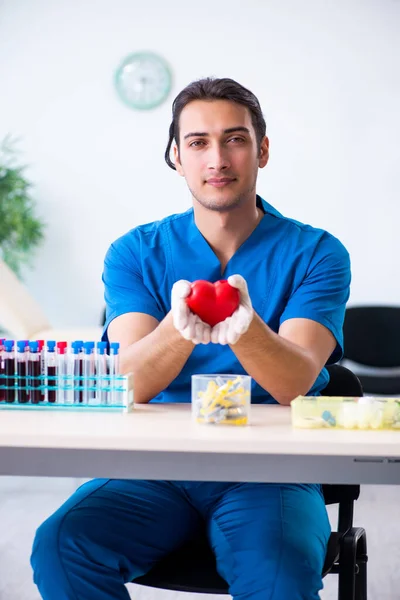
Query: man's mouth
x=220, y=181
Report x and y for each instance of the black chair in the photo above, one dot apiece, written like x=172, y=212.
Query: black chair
x=371, y=342
x=193, y=569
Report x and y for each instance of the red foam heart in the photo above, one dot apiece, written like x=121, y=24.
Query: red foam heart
x=213, y=302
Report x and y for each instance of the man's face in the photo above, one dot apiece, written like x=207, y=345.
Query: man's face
x=218, y=154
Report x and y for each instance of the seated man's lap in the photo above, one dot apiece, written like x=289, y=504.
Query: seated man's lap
x=261, y=534
x=138, y=521
x=270, y=537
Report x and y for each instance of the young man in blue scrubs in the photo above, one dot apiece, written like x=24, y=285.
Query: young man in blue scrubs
x=269, y=539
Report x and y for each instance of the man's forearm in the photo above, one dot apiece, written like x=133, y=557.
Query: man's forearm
x=282, y=368
x=156, y=360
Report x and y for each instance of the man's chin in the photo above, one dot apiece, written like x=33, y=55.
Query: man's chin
x=219, y=202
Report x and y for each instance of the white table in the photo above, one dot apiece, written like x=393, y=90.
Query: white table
x=160, y=441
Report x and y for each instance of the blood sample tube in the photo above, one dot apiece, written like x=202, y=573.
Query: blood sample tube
x=101, y=373
x=88, y=372
x=51, y=371
x=77, y=370
x=34, y=372
x=2, y=372
x=62, y=371
x=114, y=370
x=42, y=355
x=9, y=370
x=22, y=372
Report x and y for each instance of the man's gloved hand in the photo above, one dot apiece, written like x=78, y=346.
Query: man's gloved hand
x=189, y=325
x=230, y=330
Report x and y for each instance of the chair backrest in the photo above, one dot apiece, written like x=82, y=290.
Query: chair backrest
x=20, y=314
x=342, y=382
x=371, y=335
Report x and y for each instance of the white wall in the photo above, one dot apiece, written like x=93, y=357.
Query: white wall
x=327, y=74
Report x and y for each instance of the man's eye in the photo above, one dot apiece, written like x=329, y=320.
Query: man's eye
x=236, y=140
x=196, y=144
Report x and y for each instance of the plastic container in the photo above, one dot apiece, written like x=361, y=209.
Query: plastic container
x=221, y=399
x=334, y=412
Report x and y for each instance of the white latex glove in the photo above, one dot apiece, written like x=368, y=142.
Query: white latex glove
x=189, y=325
x=230, y=330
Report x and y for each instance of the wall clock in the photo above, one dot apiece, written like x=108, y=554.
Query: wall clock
x=143, y=80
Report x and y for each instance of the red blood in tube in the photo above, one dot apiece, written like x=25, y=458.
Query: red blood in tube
x=10, y=379
x=2, y=375
x=51, y=372
x=22, y=394
x=34, y=376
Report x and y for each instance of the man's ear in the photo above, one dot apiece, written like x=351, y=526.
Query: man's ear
x=177, y=161
x=264, y=153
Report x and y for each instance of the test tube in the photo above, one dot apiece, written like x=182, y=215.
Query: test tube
x=9, y=370
x=42, y=368
x=114, y=370
x=88, y=372
x=51, y=371
x=34, y=372
x=101, y=373
x=27, y=355
x=22, y=372
x=2, y=372
x=77, y=370
x=62, y=372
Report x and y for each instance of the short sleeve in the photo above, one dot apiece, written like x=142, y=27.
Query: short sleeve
x=124, y=288
x=322, y=294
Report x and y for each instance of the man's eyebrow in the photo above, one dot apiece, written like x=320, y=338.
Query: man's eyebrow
x=205, y=134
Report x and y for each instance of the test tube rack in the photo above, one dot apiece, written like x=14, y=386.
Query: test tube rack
x=42, y=392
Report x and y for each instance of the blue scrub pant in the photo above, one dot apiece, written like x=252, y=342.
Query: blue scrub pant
x=269, y=539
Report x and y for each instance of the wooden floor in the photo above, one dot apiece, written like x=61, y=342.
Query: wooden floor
x=26, y=502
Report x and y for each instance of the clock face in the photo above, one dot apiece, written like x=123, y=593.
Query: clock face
x=143, y=80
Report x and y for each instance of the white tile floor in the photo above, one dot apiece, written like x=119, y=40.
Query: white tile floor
x=26, y=502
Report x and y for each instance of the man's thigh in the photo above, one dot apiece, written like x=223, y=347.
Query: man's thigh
x=121, y=524
x=270, y=540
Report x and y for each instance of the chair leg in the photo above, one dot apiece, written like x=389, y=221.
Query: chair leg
x=353, y=565
x=347, y=571
x=361, y=577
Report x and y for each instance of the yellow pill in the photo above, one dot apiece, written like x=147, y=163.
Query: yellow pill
x=241, y=421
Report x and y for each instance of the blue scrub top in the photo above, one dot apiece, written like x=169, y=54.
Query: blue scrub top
x=292, y=271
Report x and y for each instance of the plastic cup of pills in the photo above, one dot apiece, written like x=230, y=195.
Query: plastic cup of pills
x=221, y=399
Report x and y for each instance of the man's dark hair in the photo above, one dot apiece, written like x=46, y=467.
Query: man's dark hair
x=214, y=89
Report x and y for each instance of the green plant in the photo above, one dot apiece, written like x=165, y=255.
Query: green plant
x=21, y=231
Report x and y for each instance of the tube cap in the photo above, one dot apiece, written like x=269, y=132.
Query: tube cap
x=61, y=347
x=101, y=347
x=88, y=347
x=114, y=347
x=21, y=345
x=76, y=346
x=33, y=346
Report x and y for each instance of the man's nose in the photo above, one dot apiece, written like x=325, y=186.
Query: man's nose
x=218, y=159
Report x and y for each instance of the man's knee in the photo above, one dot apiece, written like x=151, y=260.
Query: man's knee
x=293, y=571
x=53, y=537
